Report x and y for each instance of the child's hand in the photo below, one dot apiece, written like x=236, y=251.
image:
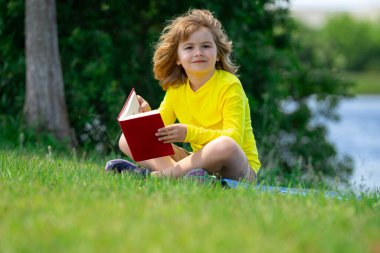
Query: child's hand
x=144, y=106
x=172, y=133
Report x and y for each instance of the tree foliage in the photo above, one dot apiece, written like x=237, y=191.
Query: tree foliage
x=106, y=48
x=352, y=44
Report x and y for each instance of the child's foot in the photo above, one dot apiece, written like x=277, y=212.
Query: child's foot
x=169, y=172
x=199, y=175
x=195, y=174
x=120, y=165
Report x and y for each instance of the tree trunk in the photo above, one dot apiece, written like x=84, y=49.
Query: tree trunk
x=45, y=105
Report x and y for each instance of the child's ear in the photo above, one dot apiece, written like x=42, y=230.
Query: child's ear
x=178, y=62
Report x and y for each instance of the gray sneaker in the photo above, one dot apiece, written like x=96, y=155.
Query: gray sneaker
x=199, y=175
x=120, y=165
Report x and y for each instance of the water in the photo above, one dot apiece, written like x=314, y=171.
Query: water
x=358, y=135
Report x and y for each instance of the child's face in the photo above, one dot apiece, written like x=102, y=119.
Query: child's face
x=198, y=54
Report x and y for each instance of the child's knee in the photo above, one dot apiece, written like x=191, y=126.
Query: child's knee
x=123, y=146
x=226, y=146
x=122, y=142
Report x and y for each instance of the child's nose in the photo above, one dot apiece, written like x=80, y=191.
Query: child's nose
x=199, y=52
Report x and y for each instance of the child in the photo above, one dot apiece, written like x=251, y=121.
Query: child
x=192, y=63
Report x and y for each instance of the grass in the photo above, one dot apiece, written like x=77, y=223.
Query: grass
x=366, y=83
x=55, y=204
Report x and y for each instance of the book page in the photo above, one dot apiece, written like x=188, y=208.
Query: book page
x=142, y=114
x=132, y=107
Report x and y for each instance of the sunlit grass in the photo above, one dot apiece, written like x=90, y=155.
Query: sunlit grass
x=56, y=204
x=366, y=83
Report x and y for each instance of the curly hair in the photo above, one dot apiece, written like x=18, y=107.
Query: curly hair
x=165, y=69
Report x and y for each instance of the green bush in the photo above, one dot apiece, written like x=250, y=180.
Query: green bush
x=12, y=60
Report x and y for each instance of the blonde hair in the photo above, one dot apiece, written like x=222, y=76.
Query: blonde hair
x=165, y=69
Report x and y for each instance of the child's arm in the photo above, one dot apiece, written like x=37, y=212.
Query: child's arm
x=235, y=108
x=167, y=111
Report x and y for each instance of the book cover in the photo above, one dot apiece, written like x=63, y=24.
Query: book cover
x=139, y=130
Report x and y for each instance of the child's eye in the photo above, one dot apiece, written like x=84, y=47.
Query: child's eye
x=206, y=46
x=188, y=48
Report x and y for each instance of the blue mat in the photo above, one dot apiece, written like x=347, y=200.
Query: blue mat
x=229, y=183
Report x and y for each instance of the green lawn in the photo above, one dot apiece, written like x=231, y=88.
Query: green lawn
x=366, y=83
x=55, y=204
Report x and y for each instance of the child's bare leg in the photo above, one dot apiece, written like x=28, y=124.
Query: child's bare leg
x=153, y=164
x=222, y=156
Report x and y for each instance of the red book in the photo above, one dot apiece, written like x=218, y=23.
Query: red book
x=139, y=130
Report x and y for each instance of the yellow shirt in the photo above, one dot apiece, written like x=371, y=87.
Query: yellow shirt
x=219, y=108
